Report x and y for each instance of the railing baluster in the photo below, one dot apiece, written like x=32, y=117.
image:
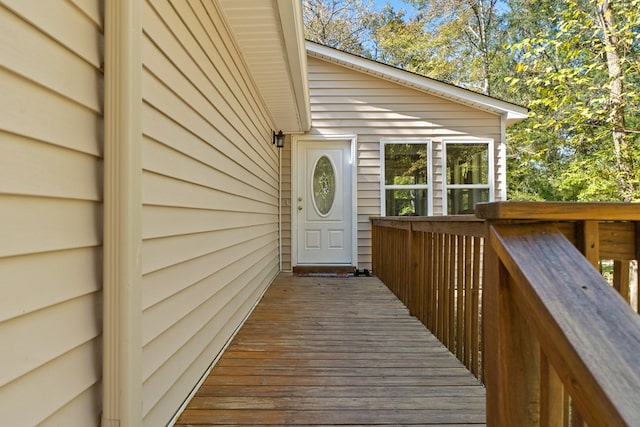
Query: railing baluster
x=621, y=279
x=430, y=282
x=460, y=298
x=408, y=270
x=452, y=293
x=576, y=419
x=440, y=281
x=476, y=289
x=446, y=300
x=552, y=396
x=468, y=302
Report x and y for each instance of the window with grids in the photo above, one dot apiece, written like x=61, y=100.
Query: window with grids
x=469, y=175
x=405, y=178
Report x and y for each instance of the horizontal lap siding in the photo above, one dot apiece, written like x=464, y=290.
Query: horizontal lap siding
x=50, y=212
x=344, y=101
x=210, y=198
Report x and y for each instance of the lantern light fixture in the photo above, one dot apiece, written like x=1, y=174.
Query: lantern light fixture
x=278, y=139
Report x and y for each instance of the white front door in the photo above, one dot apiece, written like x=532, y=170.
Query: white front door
x=324, y=202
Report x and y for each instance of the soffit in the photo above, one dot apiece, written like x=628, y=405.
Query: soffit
x=269, y=35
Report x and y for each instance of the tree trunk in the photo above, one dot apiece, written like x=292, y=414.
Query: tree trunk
x=482, y=16
x=624, y=161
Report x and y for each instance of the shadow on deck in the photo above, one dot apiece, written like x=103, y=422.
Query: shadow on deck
x=326, y=351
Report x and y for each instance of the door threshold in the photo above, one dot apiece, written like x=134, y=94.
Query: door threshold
x=319, y=269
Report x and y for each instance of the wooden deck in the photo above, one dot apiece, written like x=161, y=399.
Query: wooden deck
x=335, y=351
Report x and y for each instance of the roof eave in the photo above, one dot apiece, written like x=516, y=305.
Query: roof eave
x=513, y=118
x=270, y=39
x=293, y=33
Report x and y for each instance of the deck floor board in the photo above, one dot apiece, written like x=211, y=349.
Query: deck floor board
x=321, y=351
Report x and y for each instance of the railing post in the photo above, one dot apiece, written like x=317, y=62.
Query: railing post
x=511, y=372
x=374, y=248
x=634, y=281
x=493, y=269
x=589, y=241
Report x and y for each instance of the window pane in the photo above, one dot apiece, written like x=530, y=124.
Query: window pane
x=406, y=202
x=405, y=164
x=324, y=185
x=463, y=200
x=467, y=164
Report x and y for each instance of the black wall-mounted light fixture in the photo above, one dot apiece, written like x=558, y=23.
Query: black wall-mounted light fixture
x=278, y=139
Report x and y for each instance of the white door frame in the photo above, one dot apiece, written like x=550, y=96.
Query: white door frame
x=294, y=191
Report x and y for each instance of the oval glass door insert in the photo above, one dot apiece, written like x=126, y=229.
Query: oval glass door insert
x=324, y=185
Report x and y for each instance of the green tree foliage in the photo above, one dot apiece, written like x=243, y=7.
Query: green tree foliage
x=413, y=44
x=342, y=24
x=582, y=137
x=471, y=31
x=458, y=41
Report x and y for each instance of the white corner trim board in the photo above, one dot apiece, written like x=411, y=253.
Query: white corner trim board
x=122, y=313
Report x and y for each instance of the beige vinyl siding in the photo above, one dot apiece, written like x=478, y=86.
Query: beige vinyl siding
x=50, y=212
x=345, y=101
x=210, y=198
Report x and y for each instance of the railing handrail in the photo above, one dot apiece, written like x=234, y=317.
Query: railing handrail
x=559, y=211
x=439, y=218
x=460, y=225
x=588, y=333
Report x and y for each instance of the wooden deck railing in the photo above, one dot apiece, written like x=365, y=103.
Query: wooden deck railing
x=557, y=345
x=433, y=265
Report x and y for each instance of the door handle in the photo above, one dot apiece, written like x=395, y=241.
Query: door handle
x=299, y=208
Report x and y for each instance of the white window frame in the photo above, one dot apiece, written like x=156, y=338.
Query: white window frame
x=428, y=186
x=491, y=159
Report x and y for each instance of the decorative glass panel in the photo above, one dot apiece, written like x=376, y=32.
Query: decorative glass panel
x=467, y=164
x=324, y=185
x=405, y=164
x=406, y=202
x=463, y=200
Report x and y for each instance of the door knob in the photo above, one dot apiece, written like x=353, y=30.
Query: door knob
x=299, y=208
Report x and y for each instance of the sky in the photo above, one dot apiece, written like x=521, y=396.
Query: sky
x=397, y=5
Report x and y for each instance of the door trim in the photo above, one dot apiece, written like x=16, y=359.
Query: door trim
x=352, y=139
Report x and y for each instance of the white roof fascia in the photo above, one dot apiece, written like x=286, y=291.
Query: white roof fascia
x=293, y=32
